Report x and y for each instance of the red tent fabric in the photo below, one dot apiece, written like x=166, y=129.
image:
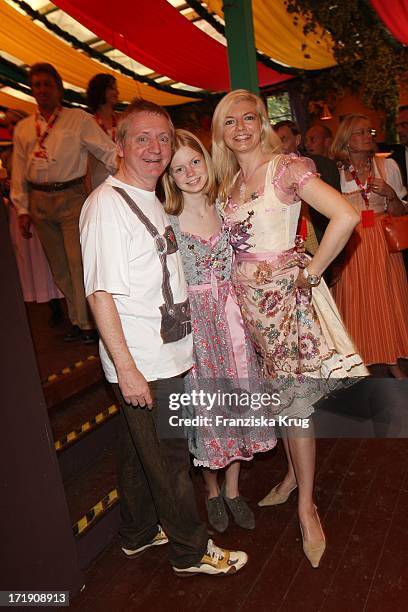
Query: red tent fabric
x=5, y=136
x=395, y=16
x=155, y=34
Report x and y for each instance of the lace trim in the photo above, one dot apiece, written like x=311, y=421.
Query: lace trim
x=306, y=178
x=282, y=166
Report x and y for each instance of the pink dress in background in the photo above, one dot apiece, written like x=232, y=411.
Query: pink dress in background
x=36, y=279
x=372, y=292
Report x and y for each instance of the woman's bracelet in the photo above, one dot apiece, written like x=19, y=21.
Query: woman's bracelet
x=392, y=199
x=388, y=200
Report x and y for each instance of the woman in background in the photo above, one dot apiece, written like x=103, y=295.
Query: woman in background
x=103, y=95
x=372, y=293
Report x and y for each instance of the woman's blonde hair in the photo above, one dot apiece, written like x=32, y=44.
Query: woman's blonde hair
x=340, y=150
x=225, y=162
x=174, y=196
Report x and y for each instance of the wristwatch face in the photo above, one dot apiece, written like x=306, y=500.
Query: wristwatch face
x=313, y=279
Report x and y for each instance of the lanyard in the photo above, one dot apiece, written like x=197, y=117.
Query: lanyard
x=363, y=190
x=42, y=152
x=101, y=124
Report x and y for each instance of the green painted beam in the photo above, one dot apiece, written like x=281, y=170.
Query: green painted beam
x=239, y=32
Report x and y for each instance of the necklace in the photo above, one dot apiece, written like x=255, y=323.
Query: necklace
x=364, y=189
x=244, y=183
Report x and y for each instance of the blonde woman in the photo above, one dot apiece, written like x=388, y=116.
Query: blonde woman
x=372, y=293
x=292, y=319
x=224, y=358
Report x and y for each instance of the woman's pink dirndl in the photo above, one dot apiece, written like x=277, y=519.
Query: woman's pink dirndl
x=299, y=336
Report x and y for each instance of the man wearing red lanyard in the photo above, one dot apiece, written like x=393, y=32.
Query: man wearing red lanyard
x=47, y=188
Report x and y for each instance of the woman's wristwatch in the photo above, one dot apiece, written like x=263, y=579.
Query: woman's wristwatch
x=312, y=279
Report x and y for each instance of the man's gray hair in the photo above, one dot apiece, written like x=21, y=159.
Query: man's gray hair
x=138, y=105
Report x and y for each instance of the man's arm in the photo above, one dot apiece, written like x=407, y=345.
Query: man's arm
x=132, y=383
x=18, y=186
x=99, y=143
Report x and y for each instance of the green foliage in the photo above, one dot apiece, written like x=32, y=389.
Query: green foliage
x=368, y=59
x=279, y=107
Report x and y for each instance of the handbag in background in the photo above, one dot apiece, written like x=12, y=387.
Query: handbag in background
x=396, y=232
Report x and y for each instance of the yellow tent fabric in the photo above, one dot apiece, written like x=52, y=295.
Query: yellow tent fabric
x=279, y=38
x=22, y=38
x=12, y=102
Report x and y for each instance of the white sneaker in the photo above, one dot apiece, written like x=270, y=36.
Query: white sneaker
x=159, y=539
x=216, y=562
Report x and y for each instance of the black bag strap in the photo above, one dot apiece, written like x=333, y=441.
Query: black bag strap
x=159, y=243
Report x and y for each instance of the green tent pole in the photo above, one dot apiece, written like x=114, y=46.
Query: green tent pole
x=239, y=32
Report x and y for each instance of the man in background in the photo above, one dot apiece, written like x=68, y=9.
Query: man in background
x=290, y=136
x=318, y=140
x=49, y=164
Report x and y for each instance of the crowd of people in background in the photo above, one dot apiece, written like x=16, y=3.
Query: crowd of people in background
x=234, y=259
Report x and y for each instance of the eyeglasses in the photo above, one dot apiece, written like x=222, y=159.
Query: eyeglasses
x=364, y=131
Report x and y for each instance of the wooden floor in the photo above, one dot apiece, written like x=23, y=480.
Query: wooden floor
x=362, y=497
x=53, y=354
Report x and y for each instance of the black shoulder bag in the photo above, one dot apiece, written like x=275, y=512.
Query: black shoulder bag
x=175, y=318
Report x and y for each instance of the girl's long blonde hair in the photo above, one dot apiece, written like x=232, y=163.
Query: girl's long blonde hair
x=225, y=162
x=174, y=196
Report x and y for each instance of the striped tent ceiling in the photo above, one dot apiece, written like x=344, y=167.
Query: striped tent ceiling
x=166, y=41
x=280, y=37
x=176, y=47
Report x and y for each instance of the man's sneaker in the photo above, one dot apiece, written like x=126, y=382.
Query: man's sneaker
x=159, y=539
x=216, y=562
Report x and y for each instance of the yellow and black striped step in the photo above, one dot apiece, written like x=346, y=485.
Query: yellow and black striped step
x=95, y=513
x=69, y=369
x=86, y=428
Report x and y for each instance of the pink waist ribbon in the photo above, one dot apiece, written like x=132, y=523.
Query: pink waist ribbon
x=270, y=256
x=235, y=324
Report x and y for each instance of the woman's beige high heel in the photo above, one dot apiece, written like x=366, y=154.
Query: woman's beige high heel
x=275, y=497
x=314, y=551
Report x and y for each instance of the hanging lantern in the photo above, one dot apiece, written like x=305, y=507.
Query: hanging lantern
x=325, y=114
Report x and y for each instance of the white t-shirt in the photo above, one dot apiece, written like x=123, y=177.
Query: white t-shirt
x=120, y=258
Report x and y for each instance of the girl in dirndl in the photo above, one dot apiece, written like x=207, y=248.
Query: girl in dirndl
x=224, y=357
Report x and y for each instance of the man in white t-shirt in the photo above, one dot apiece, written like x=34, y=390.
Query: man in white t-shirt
x=136, y=290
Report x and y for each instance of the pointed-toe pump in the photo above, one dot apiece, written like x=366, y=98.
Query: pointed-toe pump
x=275, y=497
x=314, y=551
